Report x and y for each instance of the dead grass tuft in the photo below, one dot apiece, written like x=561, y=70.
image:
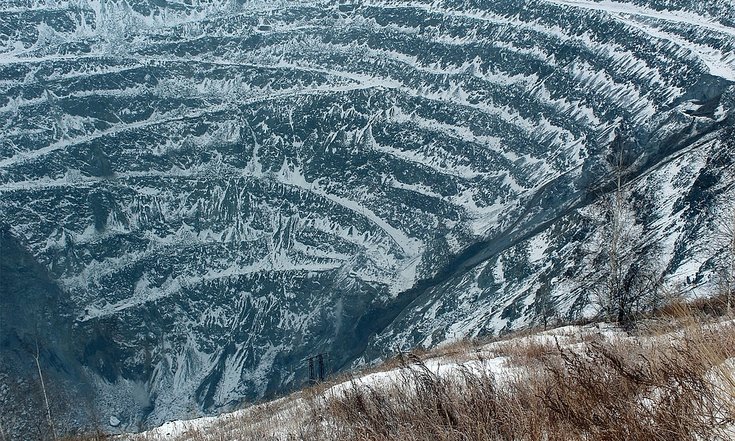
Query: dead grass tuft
x=526, y=352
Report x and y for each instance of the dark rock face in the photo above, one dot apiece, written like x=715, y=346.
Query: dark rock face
x=197, y=195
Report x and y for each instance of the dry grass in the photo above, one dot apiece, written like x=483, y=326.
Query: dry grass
x=677, y=386
x=680, y=313
x=700, y=308
x=526, y=352
x=672, y=380
x=624, y=389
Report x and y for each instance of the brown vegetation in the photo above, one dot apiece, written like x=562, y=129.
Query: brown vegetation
x=567, y=385
x=624, y=389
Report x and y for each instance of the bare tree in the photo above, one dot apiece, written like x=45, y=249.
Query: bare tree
x=620, y=225
x=719, y=246
x=615, y=247
x=2, y=432
x=624, y=278
x=729, y=230
x=545, y=309
x=37, y=357
x=724, y=247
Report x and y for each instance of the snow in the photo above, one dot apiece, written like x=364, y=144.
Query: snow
x=292, y=175
x=537, y=248
x=680, y=17
x=289, y=409
x=393, y=248
x=719, y=63
x=287, y=412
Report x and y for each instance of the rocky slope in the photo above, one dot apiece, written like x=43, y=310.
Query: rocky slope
x=203, y=193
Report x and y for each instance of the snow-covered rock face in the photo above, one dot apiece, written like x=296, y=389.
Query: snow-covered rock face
x=221, y=188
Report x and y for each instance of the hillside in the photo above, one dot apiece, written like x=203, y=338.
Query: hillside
x=196, y=196
x=673, y=378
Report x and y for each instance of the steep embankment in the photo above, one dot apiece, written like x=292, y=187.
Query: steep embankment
x=218, y=189
x=672, y=378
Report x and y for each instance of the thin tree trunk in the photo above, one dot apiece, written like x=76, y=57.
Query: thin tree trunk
x=731, y=276
x=45, y=396
x=616, y=297
x=2, y=432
